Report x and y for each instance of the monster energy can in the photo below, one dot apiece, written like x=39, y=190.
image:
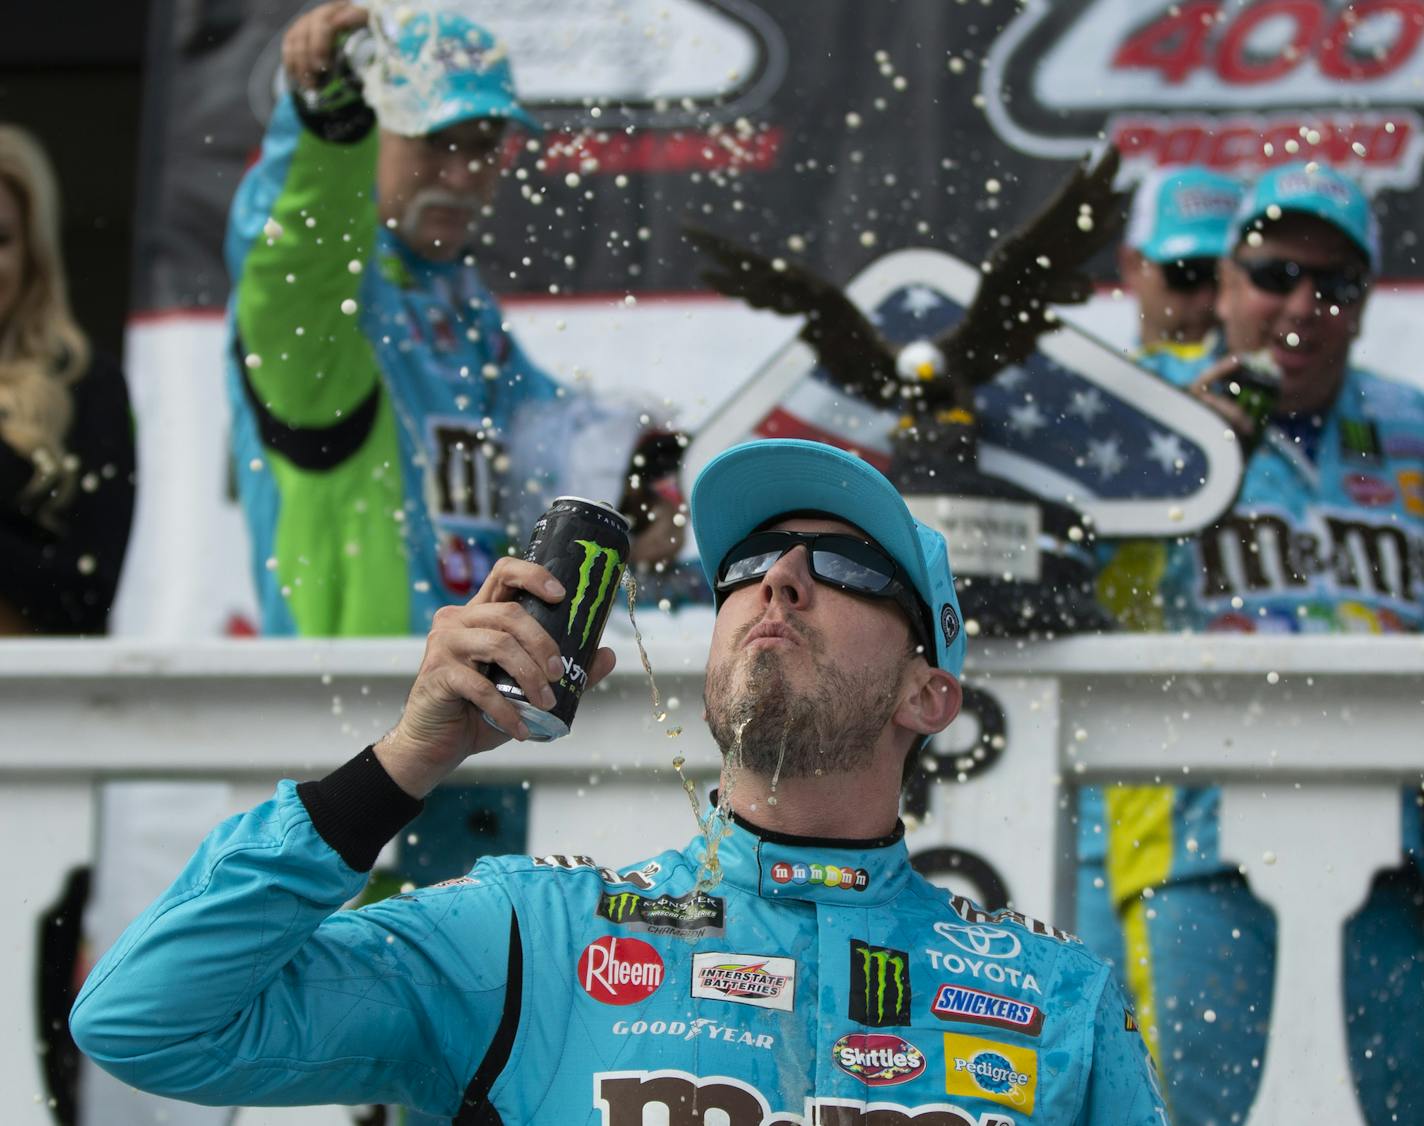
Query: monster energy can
x=583, y=544
x=1255, y=385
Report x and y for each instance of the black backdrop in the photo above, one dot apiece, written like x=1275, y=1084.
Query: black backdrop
x=860, y=127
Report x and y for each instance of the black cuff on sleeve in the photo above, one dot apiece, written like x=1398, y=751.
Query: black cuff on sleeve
x=357, y=808
x=345, y=123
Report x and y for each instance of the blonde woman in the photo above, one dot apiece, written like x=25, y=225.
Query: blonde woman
x=66, y=435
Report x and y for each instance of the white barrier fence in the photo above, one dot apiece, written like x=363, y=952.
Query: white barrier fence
x=1303, y=733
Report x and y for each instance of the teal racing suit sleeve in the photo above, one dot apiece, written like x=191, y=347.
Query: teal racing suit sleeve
x=1123, y=1089
x=246, y=984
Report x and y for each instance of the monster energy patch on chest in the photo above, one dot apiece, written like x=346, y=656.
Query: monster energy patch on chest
x=879, y=985
x=695, y=915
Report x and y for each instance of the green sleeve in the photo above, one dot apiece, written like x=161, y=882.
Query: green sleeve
x=313, y=363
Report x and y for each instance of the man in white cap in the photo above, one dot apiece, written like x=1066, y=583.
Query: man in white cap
x=810, y=976
x=376, y=390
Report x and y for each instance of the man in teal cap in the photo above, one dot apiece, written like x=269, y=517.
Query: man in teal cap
x=1324, y=537
x=1177, y=229
x=377, y=393
x=802, y=971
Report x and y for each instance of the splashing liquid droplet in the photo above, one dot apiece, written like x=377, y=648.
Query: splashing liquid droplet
x=630, y=587
x=677, y=764
x=718, y=822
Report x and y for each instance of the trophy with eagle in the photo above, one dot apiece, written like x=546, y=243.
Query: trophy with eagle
x=1022, y=546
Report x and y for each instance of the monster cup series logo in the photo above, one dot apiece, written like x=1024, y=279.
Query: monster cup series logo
x=694, y=915
x=1234, y=84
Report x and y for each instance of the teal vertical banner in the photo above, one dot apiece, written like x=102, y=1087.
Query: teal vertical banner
x=460, y=824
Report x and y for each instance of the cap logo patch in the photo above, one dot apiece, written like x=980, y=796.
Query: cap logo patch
x=948, y=623
x=1303, y=183
x=1194, y=202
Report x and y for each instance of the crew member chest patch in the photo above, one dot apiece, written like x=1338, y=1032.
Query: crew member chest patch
x=745, y=979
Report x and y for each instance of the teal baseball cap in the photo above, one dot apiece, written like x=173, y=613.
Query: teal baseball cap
x=1182, y=213
x=462, y=73
x=1311, y=189
x=742, y=488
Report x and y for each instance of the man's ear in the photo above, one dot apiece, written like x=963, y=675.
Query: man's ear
x=1357, y=315
x=1227, y=288
x=931, y=704
x=1129, y=265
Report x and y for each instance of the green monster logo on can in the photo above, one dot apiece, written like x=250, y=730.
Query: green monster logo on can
x=879, y=985
x=612, y=571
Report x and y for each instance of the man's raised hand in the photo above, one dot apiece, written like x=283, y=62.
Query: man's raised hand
x=309, y=44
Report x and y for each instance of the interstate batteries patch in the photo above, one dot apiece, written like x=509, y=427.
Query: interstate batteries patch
x=694, y=915
x=745, y=979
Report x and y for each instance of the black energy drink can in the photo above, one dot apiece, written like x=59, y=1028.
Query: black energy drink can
x=1256, y=387
x=584, y=544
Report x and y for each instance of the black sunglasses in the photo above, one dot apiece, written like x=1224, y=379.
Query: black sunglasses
x=1187, y=275
x=1280, y=276
x=837, y=560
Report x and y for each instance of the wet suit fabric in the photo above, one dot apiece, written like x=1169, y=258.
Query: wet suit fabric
x=371, y=393
x=815, y=981
x=1326, y=536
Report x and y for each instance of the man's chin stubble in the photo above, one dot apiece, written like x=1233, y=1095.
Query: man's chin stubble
x=767, y=726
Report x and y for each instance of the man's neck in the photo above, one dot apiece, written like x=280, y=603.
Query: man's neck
x=1186, y=349
x=856, y=807
x=429, y=257
x=1313, y=401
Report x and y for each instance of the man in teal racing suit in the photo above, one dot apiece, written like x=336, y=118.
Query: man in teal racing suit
x=1326, y=536
x=803, y=973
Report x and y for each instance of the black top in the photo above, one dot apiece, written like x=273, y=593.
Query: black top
x=64, y=581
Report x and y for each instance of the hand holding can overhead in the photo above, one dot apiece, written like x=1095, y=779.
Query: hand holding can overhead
x=444, y=721
x=308, y=47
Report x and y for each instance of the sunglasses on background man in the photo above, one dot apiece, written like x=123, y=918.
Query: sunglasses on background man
x=1334, y=285
x=1187, y=275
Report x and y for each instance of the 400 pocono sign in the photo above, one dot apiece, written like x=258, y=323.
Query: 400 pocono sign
x=1233, y=84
